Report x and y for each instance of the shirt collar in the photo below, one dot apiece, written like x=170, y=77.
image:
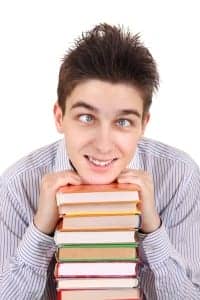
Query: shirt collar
x=62, y=159
x=135, y=162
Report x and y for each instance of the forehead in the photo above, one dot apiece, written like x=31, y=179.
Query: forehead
x=102, y=94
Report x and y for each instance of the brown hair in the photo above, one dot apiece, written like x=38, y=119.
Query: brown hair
x=111, y=54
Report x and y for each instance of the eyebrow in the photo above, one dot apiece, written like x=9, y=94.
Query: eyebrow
x=84, y=105
x=94, y=109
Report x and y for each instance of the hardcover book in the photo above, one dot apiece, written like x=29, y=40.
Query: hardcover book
x=95, y=283
x=115, y=192
x=93, y=237
x=97, y=252
x=96, y=269
x=97, y=207
x=100, y=222
x=100, y=294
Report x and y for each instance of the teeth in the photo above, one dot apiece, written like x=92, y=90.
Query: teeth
x=100, y=163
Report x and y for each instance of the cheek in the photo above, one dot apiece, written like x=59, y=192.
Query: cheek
x=129, y=148
x=75, y=143
x=80, y=138
x=128, y=145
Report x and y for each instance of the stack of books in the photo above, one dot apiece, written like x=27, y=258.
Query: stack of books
x=97, y=254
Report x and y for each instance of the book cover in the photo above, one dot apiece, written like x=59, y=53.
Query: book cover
x=99, y=222
x=93, y=237
x=97, y=193
x=100, y=294
x=95, y=283
x=97, y=252
x=96, y=269
x=97, y=207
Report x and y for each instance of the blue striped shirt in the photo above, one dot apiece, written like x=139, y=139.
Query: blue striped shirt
x=170, y=256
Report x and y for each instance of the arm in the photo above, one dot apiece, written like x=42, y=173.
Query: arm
x=25, y=252
x=170, y=254
x=27, y=249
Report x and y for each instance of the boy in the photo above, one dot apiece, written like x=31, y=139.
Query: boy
x=105, y=89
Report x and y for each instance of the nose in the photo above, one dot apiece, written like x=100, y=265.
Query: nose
x=103, y=140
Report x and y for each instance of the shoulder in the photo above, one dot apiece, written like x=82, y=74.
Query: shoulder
x=37, y=162
x=167, y=164
x=152, y=150
x=175, y=175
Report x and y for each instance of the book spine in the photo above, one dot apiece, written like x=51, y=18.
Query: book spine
x=84, y=265
x=56, y=270
x=59, y=295
x=63, y=260
x=100, y=245
x=102, y=213
x=99, y=229
x=61, y=200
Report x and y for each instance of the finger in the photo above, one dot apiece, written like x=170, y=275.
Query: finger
x=128, y=175
x=129, y=179
x=127, y=171
x=134, y=173
x=66, y=179
x=134, y=180
x=139, y=206
x=144, y=178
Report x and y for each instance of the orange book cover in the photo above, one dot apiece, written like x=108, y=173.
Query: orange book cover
x=114, y=192
x=112, y=187
x=97, y=252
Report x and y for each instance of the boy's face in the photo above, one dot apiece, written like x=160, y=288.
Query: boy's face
x=102, y=125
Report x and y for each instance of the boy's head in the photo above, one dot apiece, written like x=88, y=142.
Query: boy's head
x=111, y=54
x=104, y=93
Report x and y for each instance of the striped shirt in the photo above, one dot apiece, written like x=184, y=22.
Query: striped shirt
x=170, y=255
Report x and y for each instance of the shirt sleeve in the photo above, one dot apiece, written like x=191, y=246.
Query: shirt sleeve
x=171, y=255
x=25, y=252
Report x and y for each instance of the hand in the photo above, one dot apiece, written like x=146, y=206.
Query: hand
x=47, y=215
x=150, y=218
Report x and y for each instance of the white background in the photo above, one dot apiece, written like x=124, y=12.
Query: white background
x=34, y=36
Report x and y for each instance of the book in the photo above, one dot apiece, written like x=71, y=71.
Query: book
x=97, y=252
x=100, y=294
x=95, y=269
x=114, y=192
x=97, y=207
x=100, y=222
x=93, y=237
x=95, y=283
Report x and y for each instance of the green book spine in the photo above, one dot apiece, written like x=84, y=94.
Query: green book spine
x=135, y=259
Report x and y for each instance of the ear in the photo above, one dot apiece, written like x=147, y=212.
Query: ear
x=145, y=121
x=58, y=117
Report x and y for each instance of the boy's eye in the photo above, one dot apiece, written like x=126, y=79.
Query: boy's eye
x=124, y=123
x=86, y=118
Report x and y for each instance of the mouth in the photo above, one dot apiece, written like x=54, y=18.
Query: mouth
x=100, y=163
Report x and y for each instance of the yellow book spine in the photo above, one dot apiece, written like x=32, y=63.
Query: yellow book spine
x=93, y=202
x=103, y=213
